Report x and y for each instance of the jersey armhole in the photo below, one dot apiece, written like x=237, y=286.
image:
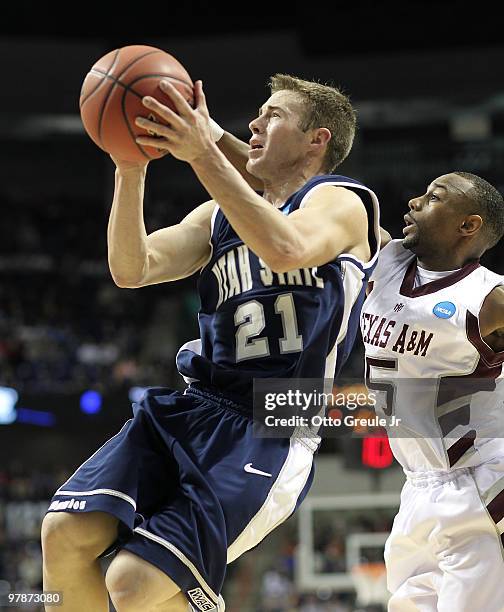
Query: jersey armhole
x=488, y=355
x=211, y=241
x=373, y=214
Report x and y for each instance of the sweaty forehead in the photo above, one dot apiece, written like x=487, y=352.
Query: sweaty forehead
x=453, y=184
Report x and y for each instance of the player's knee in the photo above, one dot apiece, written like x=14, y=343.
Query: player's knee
x=66, y=535
x=134, y=584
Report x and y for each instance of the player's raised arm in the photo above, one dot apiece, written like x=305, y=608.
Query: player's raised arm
x=137, y=259
x=334, y=221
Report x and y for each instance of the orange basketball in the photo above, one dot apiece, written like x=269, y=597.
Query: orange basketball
x=112, y=92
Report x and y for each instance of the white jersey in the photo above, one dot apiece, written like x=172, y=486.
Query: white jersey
x=429, y=366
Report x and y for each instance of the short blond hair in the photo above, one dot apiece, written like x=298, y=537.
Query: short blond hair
x=326, y=106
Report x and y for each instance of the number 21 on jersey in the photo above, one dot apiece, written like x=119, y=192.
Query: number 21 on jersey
x=250, y=319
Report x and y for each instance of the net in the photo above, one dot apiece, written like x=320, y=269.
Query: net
x=370, y=581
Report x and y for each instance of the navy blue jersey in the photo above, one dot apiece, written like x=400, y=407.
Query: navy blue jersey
x=256, y=323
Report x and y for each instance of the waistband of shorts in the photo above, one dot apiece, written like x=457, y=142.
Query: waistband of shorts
x=304, y=434
x=217, y=397
x=425, y=478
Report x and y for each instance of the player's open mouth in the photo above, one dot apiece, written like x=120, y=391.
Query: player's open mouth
x=409, y=224
x=255, y=144
x=254, y=148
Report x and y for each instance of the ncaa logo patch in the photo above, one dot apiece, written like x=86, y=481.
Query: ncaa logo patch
x=444, y=310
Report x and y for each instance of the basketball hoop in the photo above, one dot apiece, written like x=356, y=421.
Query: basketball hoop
x=370, y=581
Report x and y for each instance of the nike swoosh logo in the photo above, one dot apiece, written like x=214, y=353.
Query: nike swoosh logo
x=248, y=468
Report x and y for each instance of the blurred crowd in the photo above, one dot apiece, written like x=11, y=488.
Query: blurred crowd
x=64, y=324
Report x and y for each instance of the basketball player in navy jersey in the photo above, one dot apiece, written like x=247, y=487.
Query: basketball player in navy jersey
x=433, y=330
x=185, y=487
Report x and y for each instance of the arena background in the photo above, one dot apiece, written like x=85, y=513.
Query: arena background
x=426, y=79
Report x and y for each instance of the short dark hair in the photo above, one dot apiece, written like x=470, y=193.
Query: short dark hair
x=326, y=107
x=489, y=204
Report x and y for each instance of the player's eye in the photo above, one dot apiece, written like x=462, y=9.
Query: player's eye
x=433, y=196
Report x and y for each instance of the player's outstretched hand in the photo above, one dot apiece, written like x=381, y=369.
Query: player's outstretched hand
x=185, y=133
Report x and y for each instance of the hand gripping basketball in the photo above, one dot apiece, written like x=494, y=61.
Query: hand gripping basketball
x=112, y=93
x=185, y=132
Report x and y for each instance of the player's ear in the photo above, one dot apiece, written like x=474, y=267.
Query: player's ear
x=470, y=225
x=321, y=136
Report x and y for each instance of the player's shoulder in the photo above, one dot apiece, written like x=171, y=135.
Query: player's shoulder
x=482, y=280
x=391, y=257
x=394, y=249
x=322, y=187
x=326, y=195
x=492, y=278
x=335, y=180
x=202, y=214
x=483, y=285
x=490, y=309
x=495, y=297
x=498, y=292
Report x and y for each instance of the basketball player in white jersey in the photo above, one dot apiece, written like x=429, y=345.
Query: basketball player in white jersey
x=433, y=329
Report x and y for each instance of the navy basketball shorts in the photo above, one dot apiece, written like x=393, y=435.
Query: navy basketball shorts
x=192, y=486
